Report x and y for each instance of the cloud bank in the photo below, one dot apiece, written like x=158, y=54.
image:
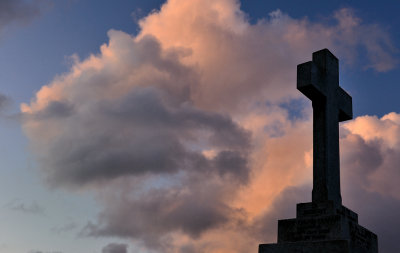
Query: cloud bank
x=192, y=134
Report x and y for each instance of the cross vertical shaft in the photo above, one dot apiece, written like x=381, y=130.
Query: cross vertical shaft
x=319, y=81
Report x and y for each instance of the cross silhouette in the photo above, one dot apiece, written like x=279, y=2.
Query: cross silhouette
x=319, y=81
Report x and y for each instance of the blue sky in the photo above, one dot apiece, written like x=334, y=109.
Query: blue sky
x=44, y=212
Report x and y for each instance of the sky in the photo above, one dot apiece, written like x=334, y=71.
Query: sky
x=176, y=126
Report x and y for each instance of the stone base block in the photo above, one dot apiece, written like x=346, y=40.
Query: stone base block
x=322, y=227
x=333, y=246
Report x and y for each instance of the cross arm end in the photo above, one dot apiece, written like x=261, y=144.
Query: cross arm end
x=345, y=105
x=307, y=80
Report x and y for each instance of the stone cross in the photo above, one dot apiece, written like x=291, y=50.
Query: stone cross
x=319, y=81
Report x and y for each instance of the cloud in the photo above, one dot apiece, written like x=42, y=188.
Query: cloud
x=39, y=251
x=144, y=129
x=4, y=100
x=264, y=227
x=32, y=208
x=186, y=134
x=192, y=210
x=65, y=228
x=370, y=150
x=20, y=11
x=380, y=49
x=376, y=156
x=115, y=248
x=220, y=34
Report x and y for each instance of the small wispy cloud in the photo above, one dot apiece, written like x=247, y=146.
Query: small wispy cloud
x=20, y=11
x=64, y=228
x=31, y=208
x=39, y=251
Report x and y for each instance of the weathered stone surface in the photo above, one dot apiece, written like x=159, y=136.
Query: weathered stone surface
x=323, y=222
x=324, y=225
x=335, y=246
x=319, y=81
x=315, y=209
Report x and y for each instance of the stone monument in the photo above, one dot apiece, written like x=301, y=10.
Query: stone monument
x=324, y=225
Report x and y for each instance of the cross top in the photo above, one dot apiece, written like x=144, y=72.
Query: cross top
x=319, y=81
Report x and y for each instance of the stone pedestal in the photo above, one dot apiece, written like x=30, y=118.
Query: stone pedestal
x=322, y=227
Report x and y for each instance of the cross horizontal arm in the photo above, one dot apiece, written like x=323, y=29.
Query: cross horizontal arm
x=345, y=105
x=308, y=79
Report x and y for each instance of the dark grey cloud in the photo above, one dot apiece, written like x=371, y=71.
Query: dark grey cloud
x=4, y=101
x=374, y=198
x=115, y=248
x=188, y=248
x=197, y=204
x=143, y=149
x=56, y=109
x=377, y=213
x=138, y=135
x=151, y=128
x=362, y=157
x=20, y=11
x=232, y=162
